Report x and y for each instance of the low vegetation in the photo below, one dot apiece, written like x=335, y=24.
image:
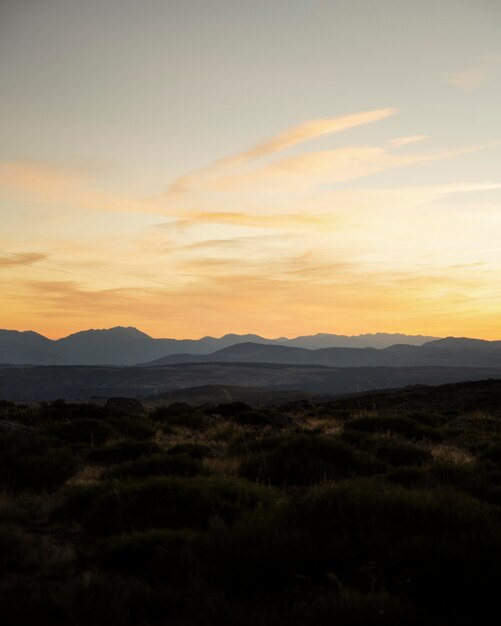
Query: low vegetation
x=372, y=510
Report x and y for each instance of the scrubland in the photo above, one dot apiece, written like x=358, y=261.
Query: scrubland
x=345, y=513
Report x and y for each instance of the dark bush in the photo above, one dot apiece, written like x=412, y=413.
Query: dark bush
x=492, y=454
x=400, y=453
x=82, y=431
x=479, y=480
x=430, y=419
x=60, y=410
x=402, y=426
x=483, y=425
x=105, y=599
x=261, y=418
x=28, y=463
x=306, y=460
x=410, y=477
x=117, y=452
x=230, y=409
x=158, y=465
x=194, y=450
x=157, y=556
x=249, y=442
x=162, y=502
x=181, y=415
x=135, y=427
x=17, y=552
x=325, y=607
x=438, y=547
x=252, y=418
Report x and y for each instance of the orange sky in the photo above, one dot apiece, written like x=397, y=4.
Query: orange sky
x=184, y=192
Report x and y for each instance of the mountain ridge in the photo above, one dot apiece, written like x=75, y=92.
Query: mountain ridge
x=452, y=352
x=126, y=345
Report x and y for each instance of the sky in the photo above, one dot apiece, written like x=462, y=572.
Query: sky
x=199, y=167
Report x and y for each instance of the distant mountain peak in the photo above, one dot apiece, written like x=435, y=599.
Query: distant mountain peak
x=120, y=331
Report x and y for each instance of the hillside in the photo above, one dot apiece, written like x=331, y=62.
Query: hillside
x=380, y=508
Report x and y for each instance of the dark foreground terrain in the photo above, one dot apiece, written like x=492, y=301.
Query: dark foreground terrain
x=381, y=508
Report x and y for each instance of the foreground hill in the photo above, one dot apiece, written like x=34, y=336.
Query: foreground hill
x=128, y=346
x=32, y=383
x=377, y=509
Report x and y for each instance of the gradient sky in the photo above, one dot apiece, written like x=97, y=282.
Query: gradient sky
x=195, y=167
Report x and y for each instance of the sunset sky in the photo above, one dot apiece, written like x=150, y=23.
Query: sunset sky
x=196, y=167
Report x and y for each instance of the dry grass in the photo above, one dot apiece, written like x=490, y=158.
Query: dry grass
x=225, y=432
x=223, y=466
x=444, y=453
x=327, y=426
x=18, y=507
x=87, y=475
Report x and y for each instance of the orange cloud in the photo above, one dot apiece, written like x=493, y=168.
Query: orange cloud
x=404, y=141
x=21, y=258
x=291, y=137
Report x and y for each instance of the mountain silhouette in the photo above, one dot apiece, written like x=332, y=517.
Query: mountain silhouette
x=128, y=346
x=449, y=352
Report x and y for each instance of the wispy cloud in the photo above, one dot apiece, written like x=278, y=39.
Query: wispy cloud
x=21, y=258
x=404, y=141
x=467, y=79
x=486, y=68
x=56, y=186
x=306, y=131
x=287, y=139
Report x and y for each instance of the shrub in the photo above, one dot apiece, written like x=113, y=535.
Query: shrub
x=324, y=607
x=402, y=426
x=492, y=454
x=194, y=450
x=17, y=553
x=60, y=410
x=126, y=450
x=82, y=431
x=410, y=477
x=481, y=481
x=306, y=460
x=162, y=502
x=28, y=463
x=249, y=442
x=166, y=556
x=230, y=409
x=135, y=427
x=400, y=453
x=439, y=547
x=158, y=465
x=181, y=415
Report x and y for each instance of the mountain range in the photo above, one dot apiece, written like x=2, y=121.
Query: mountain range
x=129, y=346
x=126, y=362
x=449, y=352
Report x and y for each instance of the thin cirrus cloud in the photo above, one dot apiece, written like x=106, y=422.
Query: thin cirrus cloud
x=37, y=183
x=404, y=141
x=468, y=79
x=484, y=70
x=287, y=139
x=21, y=258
